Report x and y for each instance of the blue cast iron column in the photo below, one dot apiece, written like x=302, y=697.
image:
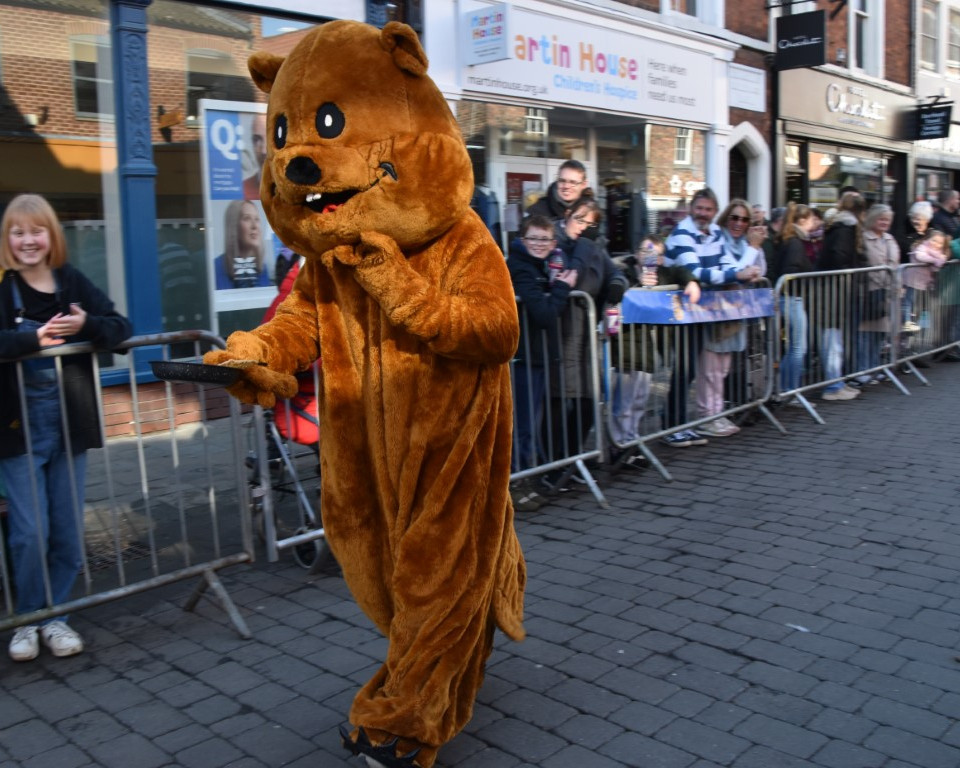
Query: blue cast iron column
x=136, y=170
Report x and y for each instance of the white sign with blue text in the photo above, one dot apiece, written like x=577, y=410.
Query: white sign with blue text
x=485, y=34
x=555, y=60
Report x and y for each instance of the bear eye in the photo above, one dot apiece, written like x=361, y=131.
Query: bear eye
x=330, y=121
x=280, y=132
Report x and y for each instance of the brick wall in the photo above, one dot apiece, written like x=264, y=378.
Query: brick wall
x=898, y=44
x=153, y=413
x=35, y=45
x=748, y=17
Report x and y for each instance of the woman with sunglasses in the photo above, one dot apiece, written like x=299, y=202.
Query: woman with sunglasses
x=743, y=257
x=597, y=276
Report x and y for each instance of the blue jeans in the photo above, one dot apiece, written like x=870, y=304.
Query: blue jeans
x=795, y=325
x=529, y=385
x=831, y=353
x=868, y=349
x=906, y=304
x=47, y=536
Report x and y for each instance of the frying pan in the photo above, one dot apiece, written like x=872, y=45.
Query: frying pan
x=173, y=370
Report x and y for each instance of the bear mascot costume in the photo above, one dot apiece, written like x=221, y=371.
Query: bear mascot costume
x=406, y=299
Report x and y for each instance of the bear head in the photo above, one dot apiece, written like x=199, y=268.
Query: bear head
x=359, y=139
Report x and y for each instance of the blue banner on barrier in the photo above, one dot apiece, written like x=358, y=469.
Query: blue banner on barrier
x=643, y=305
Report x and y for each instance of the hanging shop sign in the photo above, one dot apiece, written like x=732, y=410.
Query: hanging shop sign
x=554, y=60
x=485, y=34
x=932, y=121
x=801, y=40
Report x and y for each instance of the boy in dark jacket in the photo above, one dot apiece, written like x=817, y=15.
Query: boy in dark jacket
x=542, y=280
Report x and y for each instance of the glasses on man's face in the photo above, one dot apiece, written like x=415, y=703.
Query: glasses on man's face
x=569, y=182
x=538, y=240
x=739, y=219
x=587, y=222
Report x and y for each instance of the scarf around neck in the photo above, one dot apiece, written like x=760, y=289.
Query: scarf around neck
x=737, y=245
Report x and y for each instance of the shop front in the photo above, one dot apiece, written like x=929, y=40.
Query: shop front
x=636, y=105
x=835, y=132
x=105, y=107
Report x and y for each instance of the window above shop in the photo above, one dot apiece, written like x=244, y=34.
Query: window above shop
x=953, y=43
x=707, y=11
x=866, y=37
x=214, y=75
x=92, y=76
x=929, y=34
x=681, y=151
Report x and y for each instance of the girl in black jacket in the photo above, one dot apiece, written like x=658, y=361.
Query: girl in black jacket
x=791, y=258
x=43, y=303
x=842, y=249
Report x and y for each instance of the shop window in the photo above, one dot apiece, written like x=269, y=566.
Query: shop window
x=535, y=122
x=953, y=44
x=681, y=149
x=92, y=76
x=866, y=34
x=929, y=34
x=214, y=75
x=708, y=11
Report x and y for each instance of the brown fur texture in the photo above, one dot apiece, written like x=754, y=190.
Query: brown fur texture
x=407, y=301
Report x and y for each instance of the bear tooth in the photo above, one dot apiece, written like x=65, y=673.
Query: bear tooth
x=313, y=196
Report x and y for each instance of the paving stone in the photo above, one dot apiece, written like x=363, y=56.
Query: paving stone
x=894, y=742
x=632, y=749
x=129, y=749
x=703, y=741
x=585, y=697
x=65, y=756
x=781, y=736
x=899, y=715
x=522, y=740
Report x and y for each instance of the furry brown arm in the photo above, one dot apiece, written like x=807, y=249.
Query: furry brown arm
x=473, y=316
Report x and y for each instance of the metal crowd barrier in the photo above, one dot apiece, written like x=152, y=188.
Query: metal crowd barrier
x=283, y=464
x=166, y=498
x=928, y=319
x=850, y=325
x=558, y=417
x=651, y=379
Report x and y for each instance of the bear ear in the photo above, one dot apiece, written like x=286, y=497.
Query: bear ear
x=400, y=41
x=263, y=69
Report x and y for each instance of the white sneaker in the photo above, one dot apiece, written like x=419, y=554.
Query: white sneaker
x=61, y=639
x=910, y=327
x=24, y=646
x=731, y=428
x=717, y=428
x=844, y=393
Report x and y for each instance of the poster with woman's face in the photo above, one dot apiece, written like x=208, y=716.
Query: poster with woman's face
x=241, y=248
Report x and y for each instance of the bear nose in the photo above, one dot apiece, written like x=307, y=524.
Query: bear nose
x=302, y=170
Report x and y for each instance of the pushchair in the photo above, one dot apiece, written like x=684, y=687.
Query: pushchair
x=284, y=463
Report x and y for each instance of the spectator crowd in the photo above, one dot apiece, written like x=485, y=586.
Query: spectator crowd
x=559, y=250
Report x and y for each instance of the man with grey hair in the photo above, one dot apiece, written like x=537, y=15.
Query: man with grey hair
x=945, y=217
